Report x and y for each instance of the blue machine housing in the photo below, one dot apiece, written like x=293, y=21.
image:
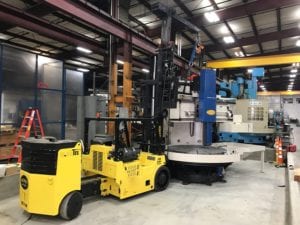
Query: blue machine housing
x=243, y=138
x=207, y=96
x=249, y=89
x=224, y=85
x=252, y=84
x=207, y=103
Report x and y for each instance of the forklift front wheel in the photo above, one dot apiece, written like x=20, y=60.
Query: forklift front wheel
x=162, y=178
x=71, y=206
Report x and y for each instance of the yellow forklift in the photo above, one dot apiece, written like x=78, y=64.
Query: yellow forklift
x=57, y=174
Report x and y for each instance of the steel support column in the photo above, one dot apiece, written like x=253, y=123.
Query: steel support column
x=127, y=77
x=63, y=103
x=113, y=87
x=113, y=91
x=113, y=71
x=254, y=61
x=1, y=77
x=127, y=80
x=35, y=82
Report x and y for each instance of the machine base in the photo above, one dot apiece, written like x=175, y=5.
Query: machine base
x=199, y=164
x=193, y=173
x=246, y=138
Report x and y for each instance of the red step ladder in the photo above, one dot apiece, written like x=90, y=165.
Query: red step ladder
x=31, y=125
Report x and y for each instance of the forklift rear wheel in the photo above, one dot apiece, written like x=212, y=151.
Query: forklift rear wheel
x=162, y=178
x=71, y=206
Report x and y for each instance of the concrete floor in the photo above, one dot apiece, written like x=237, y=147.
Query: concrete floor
x=248, y=197
x=293, y=188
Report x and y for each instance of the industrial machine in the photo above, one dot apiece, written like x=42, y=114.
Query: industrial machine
x=192, y=157
x=56, y=175
x=241, y=117
x=249, y=123
x=195, y=113
x=190, y=110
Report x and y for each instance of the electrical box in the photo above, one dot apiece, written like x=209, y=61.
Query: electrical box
x=256, y=112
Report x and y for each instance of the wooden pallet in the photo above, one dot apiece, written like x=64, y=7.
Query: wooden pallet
x=5, y=152
x=7, y=139
x=6, y=130
x=6, y=144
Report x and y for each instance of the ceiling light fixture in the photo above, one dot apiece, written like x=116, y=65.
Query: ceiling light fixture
x=292, y=75
x=4, y=37
x=228, y=39
x=85, y=50
x=294, y=70
x=263, y=88
x=120, y=61
x=224, y=30
x=77, y=63
x=298, y=43
x=211, y=17
x=145, y=70
x=239, y=54
x=83, y=70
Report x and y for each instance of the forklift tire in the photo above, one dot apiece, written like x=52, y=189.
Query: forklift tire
x=71, y=206
x=162, y=178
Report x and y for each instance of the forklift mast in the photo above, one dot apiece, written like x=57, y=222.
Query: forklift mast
x=160, y=88
x=159, y=93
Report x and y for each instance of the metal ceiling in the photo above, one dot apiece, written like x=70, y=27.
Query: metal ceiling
x=260, y=27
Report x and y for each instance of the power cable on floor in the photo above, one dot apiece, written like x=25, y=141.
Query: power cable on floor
x=29, y=218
